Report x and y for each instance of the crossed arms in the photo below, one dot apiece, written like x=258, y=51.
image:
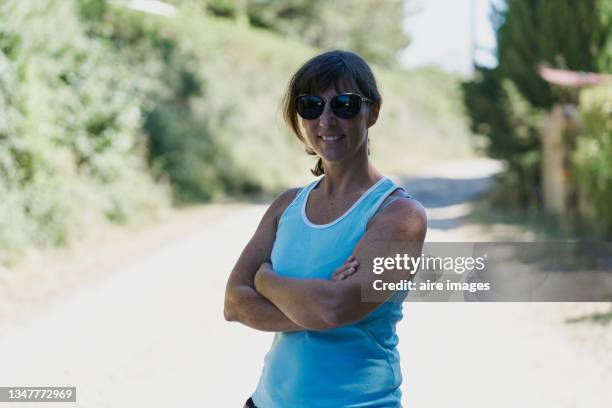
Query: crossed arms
x=259, y=298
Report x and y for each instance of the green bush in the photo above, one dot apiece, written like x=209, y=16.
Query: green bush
x=183, y=145
x=71, y=152
x=593, y=155
x=510, y=127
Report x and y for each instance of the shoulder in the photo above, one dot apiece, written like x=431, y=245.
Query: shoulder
x=403, y=219
x=284, y=199
x=281, y=202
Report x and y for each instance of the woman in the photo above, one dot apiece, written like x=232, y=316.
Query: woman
x=302, y=273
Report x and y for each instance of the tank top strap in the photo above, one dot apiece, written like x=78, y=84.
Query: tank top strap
x=379, y=199
x=303, y=192
x=390, y=199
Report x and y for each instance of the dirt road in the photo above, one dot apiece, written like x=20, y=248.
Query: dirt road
x=152, y=333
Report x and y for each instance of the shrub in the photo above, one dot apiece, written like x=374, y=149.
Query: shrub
x=70, y=148
x=593, y=155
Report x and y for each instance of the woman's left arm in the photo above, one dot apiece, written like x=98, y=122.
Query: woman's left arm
x=320, y=304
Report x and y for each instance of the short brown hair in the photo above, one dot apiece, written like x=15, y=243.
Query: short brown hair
x=333, y=68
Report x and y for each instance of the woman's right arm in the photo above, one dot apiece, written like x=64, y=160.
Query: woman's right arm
x=242, y=302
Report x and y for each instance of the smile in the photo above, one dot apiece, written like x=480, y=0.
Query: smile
x=331, y=138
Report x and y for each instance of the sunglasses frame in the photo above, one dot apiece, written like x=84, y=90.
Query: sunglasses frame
x=328, y=100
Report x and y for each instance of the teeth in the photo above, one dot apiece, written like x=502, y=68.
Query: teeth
x=330, y=138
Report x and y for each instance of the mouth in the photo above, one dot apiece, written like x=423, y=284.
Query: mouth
x=331, y=138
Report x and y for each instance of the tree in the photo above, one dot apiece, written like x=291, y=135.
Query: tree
x=504, y=103
x=371, y=28
x=561, y=33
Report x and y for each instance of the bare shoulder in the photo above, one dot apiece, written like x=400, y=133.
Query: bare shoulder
x=282, y=202
x=404, y=219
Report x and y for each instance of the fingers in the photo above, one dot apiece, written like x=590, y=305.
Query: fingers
x=342, y=270
x=346, y=266
x=347, y=269
x=351, y=260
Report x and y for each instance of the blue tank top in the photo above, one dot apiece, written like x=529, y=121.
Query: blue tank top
x=352, y=366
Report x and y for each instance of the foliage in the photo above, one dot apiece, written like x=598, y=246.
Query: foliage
x=506, y=104
x=511, y=130
x=592, y=158
x=70, y=152
x=181, y=145
x=371, y=28
x=560, y=33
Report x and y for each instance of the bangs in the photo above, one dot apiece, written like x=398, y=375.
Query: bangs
x=318, y=78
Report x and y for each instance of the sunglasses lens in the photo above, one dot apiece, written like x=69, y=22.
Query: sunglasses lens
x=346, y=106
x=310, y=106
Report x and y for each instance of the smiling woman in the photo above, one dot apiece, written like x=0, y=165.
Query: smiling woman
x=300, y=274
x=350, y=81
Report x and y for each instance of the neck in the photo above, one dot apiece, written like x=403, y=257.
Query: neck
x=353, y=175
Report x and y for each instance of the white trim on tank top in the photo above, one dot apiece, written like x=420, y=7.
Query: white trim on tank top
x=346, y=213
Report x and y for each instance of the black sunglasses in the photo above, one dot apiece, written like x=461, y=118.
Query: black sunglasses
x=344, y=106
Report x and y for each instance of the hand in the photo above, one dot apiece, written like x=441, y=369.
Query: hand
x=347, y=269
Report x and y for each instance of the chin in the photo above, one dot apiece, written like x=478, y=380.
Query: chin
x=334, y=158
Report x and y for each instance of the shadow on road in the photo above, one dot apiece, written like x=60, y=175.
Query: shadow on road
x=448, y=200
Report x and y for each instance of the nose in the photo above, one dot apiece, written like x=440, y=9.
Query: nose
x=327, y=118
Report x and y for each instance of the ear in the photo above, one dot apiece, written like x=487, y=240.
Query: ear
x=373, y=117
